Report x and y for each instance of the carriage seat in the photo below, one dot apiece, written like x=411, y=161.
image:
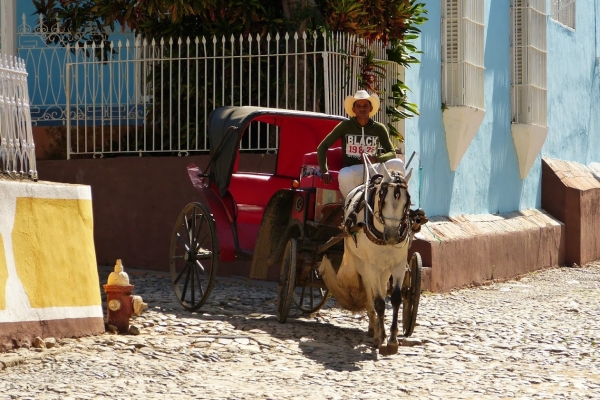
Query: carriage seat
x=334, y=159
x=252, y=192
x=334, y=163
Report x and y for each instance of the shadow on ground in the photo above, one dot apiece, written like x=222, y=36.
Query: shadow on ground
x=250, y=305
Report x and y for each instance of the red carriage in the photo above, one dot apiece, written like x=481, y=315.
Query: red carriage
x=288, y=218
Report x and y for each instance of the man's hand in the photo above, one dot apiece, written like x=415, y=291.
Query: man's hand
x=326, y=178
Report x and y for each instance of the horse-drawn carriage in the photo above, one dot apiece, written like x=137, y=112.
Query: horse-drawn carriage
x=287, y=219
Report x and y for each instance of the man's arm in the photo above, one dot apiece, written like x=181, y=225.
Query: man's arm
x=329, y=140
x=386, y=144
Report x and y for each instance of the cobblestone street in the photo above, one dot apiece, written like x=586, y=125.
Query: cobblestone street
x=532, y=338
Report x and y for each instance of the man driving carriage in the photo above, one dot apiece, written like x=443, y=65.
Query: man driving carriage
x=360, y=134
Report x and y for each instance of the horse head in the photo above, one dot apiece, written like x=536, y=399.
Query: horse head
x=391, y=207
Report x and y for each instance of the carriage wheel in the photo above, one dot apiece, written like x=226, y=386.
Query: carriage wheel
x=287, y=280
x=411, y=292
x=311, y=298
x=194, y=256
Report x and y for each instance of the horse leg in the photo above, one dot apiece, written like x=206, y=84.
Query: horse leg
x=392, y=345
x=376, y=289
x=372, y=321
x=379, y=339
x=396, y=300
x=375, y=309
x=372, y=314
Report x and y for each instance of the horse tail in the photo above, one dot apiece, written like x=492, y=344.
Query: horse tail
x=345, y=285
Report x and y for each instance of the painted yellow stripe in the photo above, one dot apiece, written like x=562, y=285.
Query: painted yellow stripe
x=53, y=246
x=3, y=275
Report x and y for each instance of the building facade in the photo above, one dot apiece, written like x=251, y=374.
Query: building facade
x=540, y=91
x=503, y=85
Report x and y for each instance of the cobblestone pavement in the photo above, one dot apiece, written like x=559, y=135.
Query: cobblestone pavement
x=532, y=338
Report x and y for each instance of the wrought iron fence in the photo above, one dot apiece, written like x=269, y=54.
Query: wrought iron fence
x=154, y=96
x=17, y=150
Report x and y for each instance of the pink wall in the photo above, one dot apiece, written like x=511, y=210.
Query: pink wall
x=136, y=201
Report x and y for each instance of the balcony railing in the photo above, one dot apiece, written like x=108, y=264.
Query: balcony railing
x=17, y=150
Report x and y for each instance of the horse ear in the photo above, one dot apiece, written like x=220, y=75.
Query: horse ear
x=407, y=177
x=372, y=170
x=386, y=173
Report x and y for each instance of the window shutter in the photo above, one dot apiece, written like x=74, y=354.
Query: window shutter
x=528, y=58
x=563, y=11
x=518, y=44
x=462, y=74
x=451, y=82
x=462, y=53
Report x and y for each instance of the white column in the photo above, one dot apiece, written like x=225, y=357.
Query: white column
x=8, y=26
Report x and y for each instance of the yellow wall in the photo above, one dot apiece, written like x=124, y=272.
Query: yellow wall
x=53, y=257
x=3, y=275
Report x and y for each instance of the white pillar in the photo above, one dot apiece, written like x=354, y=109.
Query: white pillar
x=8, y=27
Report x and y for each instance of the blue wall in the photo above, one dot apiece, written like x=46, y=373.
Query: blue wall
x=574, y=87
x=487, y=179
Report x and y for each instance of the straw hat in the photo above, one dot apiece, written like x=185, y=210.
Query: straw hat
x=361, y=95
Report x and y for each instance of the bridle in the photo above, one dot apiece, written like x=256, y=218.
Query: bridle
x=369, y=194
x=404, y=222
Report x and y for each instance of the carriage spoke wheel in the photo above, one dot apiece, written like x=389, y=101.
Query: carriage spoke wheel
x=194, y=256
x=287, y=280
x=411, y=292
x=311, y=298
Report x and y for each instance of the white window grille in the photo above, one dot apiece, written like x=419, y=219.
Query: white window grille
x=563, y=11
x=528, y=60
x=463, y=53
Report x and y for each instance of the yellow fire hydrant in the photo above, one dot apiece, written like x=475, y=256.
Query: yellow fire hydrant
x=120, y=302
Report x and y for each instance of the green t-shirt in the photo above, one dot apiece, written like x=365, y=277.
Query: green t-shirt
x=357, y=139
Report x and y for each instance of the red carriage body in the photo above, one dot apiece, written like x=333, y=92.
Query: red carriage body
x=238, y=200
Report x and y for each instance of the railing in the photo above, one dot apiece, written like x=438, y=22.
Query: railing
x=17, y=150
x=46, y=54
x=155, y=96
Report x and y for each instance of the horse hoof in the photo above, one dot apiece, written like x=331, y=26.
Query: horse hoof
x=384, y=350
x=392, y=348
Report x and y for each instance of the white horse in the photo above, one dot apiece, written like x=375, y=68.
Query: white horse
x=377, y=217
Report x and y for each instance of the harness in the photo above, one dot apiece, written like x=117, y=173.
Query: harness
x=363, y=199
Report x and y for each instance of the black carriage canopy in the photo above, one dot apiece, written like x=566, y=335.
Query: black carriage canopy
x=300, y=132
